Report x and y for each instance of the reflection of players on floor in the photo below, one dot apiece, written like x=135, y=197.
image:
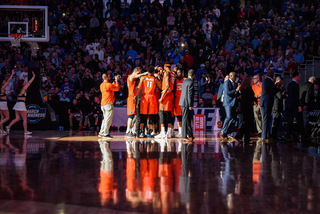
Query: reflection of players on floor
x=106, y=186
x=149, y=162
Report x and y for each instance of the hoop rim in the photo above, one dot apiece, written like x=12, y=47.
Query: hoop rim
x=16, y=36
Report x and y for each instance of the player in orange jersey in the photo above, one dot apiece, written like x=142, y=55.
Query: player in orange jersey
x=148, y=104
x=177, y=109
x=166, y=102
x=131, y=106
x=157, y=74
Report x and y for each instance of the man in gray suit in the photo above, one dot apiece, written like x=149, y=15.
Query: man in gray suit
x=186, y=103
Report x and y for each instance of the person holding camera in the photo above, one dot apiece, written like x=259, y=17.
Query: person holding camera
x=107, y=91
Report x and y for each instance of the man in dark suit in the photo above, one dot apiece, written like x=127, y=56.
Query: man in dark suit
x=231, y=92
x=220, y=100
x=277, y=108
x=186, y=103
x=266, y=103
x=293, y=107
x=307, y=101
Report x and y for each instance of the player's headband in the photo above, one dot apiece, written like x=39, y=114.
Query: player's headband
x=167, y=65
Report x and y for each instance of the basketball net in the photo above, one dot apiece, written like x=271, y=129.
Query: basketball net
x=15, y=39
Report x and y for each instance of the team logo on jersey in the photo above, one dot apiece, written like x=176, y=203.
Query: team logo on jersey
x=130, y=111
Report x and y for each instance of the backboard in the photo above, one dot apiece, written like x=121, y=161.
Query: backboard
x=31, y=21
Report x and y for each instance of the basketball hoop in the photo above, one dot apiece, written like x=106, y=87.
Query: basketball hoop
x=15, y=39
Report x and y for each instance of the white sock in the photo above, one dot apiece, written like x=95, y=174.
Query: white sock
x=169, y=130
x=163, y=130
x=128, y=127
x=180, y=130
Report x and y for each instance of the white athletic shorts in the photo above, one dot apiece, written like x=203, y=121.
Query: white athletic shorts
x=3, y=105
x=20, y=106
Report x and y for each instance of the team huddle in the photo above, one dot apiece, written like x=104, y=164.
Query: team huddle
x=154, y=95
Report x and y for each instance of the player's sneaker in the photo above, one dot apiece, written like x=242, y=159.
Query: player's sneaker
x=131, y=134
x=161, y=135
x=107, y=136
x=142, y=135
x=27, y=133
x=154, y=133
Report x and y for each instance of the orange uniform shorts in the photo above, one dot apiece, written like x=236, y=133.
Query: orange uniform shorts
x=149, y=104
x=167, y=102
x=131, y=106
x=177, y=109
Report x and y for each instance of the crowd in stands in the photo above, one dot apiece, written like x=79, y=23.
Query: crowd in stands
x=212, y=37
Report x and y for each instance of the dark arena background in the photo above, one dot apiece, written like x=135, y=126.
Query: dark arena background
x=67, y=166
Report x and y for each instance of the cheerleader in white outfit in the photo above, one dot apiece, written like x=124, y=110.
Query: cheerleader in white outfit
x=4, y=111
x=20, y=106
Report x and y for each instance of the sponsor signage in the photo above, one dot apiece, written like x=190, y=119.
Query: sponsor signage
x=199, y=122
x=35, y=113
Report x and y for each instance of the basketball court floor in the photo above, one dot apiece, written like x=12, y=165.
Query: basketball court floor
x=76, y=172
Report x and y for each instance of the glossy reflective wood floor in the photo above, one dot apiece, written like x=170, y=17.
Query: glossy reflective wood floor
x=74, y=172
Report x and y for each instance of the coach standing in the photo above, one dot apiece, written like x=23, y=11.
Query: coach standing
x=107, y=90
x=186, y=103
x=266, y=103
